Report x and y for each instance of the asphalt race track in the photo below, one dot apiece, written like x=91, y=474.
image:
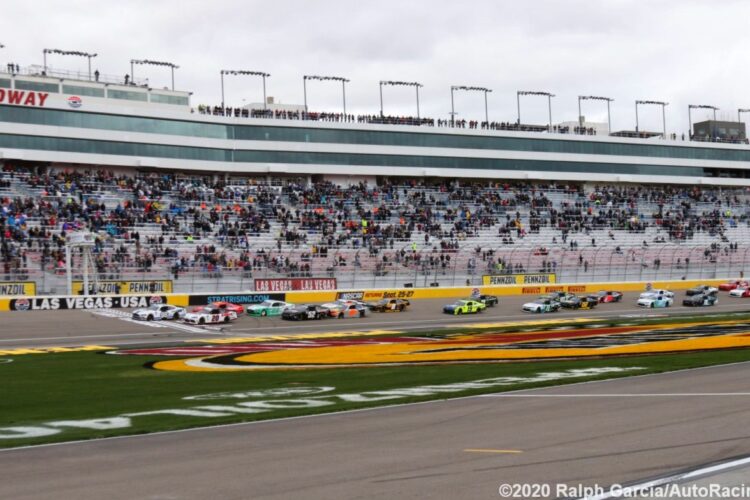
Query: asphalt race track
x=114, y=327
x=617, y=431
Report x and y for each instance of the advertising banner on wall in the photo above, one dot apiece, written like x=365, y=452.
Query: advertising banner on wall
x=519, y=279
x=294, y=284
x=10, y=288
x=125, y=287
x=234, y=298
x=91, y=302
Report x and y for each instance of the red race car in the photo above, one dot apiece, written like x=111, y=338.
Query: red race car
x=609, y=296
x=726, y=287
x=223, y=306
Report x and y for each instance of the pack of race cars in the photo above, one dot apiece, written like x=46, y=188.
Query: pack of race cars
x=226, y=312
x=699, y=296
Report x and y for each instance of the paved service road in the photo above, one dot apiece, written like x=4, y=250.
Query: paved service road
x=75, y=328
x=621, y=431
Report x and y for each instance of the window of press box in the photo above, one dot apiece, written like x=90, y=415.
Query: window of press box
x=169, y=99
x=127, y=95
x=84, y=91
x=38, y=86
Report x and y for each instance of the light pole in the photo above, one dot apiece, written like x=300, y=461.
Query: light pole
x=477, y=89
x=67, y=53
x=148, y=62
x=663, y=116
x=691, y=107
x=325, y=78
x=539, y=93
x=244, y=72
x=595, y=98
x=391, y=83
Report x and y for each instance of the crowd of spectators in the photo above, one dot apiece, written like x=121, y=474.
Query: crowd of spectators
x=211, y=225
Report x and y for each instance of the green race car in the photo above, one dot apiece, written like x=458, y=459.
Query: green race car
x=268, y=308
x=464, y=307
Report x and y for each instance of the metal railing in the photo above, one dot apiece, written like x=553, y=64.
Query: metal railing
x=598, y=264
x=64, y=74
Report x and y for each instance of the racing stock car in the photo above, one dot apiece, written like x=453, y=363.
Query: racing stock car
x=347, y=309
x=159, y=311
x=543, y=305
x=731, y=285
x=305, y=311
x=389, y=305
x=572, y=301
x=740, y=292
x=659, y=298
x=609, y=296
x=488, y=300
x=701, y=299
x=224, y=306
x=464, y=307
x=208, y=316
x=268, y=308
x=700, y=290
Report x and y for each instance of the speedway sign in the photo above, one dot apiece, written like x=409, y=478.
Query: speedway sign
x=61, y=303
x=23, y=97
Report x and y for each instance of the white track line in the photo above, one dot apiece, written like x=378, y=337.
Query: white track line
x=655, y=483
x=634, y=395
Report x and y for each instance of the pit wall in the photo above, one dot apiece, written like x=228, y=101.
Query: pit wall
x=46, y=303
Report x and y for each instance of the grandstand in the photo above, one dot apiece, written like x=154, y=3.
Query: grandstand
x=213, y=198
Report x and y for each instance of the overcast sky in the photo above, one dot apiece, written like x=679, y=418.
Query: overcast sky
x=681, y=51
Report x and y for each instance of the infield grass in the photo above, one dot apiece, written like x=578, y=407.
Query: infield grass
x=40, y=391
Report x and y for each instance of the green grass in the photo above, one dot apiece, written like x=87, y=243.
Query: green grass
x=38, y=389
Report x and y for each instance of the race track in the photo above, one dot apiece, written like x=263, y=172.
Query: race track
x=598, y=433
x=114, y=327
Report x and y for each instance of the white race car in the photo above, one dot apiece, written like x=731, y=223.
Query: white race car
x=657, y=293
x=159, y=311
x=656, y=301
x=209, y=316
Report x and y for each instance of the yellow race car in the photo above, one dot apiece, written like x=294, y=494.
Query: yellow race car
x=464, y=307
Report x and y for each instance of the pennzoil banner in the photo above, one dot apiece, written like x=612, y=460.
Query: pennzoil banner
x=13, y=288
x=520, y=279
x=126, y=287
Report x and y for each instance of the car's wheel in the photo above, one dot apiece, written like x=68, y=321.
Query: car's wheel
x=539, y=310
x=226, y=319
x=263, y=313
x=341, y=316
x=459, y=312
x=652, y=305
x=202, y=321
x=150, y=317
